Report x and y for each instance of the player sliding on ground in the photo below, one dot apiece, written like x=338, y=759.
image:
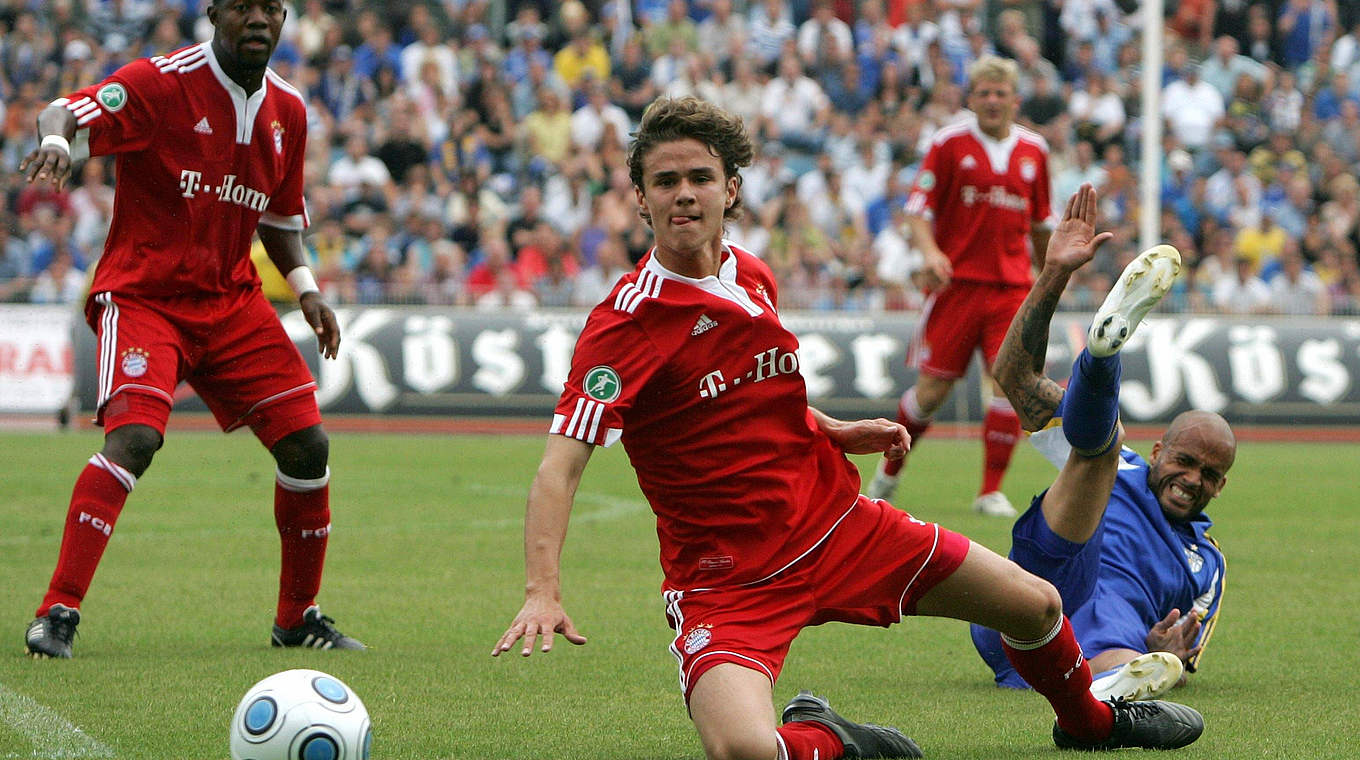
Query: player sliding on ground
x=1122, y=538
x=761, y=525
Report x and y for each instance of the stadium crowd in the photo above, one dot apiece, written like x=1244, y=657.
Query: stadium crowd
x=471, y=152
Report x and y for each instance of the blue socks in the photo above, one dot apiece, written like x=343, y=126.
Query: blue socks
x=1090, y=407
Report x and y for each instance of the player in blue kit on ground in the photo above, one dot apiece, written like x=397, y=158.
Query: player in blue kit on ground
x=1124, y=539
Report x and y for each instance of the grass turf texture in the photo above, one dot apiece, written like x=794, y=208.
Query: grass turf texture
x=426, y=567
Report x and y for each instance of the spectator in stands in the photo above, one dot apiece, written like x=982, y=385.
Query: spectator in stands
x=588, y=122
x=1261, y=244
x=659, y=37
x=770, y=26
x=823, y=37
x=1223, y=68
x=1303, y=26
x=403, y=149
x=583, y=52
x=341, y=88
x=1295, y=289
x=795, y=108
x=548, y=131
x=431, y=49
x=60, y=282
x=363, y=178
x=1240, y=291
x=723, y=33
x=1192, y=107
x=16, y=261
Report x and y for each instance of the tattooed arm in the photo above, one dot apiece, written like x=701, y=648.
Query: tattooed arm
x=1019, y=368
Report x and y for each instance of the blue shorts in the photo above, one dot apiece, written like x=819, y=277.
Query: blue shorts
x=1072, y=568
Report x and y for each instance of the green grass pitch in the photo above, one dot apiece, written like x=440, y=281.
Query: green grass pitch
x=426, y=567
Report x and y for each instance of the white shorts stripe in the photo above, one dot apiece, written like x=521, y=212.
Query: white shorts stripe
x=296, y=390
x=933, y=546
x=108, y=345
x=755, y=665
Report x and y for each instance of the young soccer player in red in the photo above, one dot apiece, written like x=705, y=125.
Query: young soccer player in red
x=762, y=528
x=210, y=145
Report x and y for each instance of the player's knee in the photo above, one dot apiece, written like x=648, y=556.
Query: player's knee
x=132, y=447
x=741, y=747
x=303, y=453
x=1046, y=603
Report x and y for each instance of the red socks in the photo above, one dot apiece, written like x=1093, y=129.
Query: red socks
x=96, y=501
x=1055, y=667
x=808, y=739
x=302, y=513
x=909, y=415
x=1000, y=432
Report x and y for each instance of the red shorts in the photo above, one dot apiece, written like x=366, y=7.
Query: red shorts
x=871, y=570
x=231, y=350
x=959, y=319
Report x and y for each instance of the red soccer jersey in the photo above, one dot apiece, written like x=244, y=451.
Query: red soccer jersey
x=983, y=196
x=700, y=380
x=200, y=164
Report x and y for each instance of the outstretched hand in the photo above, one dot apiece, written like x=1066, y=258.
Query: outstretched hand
x=1175, y=634
x=1074, y=241
x=538, y=618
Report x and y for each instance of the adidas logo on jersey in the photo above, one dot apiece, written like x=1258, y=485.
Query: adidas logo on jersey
x=202, y=127
x=703, y=325
x=968, y=162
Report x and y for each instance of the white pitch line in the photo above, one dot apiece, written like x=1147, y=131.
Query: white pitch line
x=51, y=735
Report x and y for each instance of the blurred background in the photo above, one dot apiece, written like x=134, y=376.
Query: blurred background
x=471, y=152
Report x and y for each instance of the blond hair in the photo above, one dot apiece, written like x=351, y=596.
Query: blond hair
x=993, y=68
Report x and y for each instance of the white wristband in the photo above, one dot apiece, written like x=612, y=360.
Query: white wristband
x=57, y=141
x=302, y=281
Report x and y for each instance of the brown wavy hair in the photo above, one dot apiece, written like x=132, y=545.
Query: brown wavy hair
x=669, y=119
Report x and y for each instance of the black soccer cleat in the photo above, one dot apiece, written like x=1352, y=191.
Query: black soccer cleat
x=316, y=632
x=1150, y=725
x=861, y=740
x=51, y=634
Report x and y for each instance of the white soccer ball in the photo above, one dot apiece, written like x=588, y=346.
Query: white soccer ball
x=300, y=715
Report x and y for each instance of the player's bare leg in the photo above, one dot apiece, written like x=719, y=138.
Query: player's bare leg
x=916, y=412
x=96, y=502
x=732, y=709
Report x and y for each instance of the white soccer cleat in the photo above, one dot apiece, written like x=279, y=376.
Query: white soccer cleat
x=1142, y=284
x=994, y=504
x=1147, y=676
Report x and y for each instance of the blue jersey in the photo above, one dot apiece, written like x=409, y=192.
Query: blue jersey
x=1127, y=577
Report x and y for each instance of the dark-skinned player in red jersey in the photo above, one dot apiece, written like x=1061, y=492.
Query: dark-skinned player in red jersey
x=209, y=144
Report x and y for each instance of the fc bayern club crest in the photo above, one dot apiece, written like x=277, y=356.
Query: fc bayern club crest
x=698, y=638
x=278, y=137
x=135, y=361
x=1028, y=169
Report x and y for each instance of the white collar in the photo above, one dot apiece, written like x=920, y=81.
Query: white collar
x=247, y=106
x=724, y=285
